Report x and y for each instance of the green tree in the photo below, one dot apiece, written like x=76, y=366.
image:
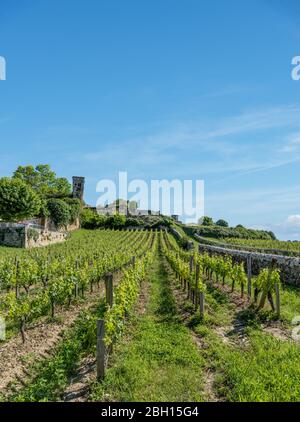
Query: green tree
x=88, y=218
x=59, y=212
x=116, y=221
x=206, y=221
x=62, y=187
x=92, y=220
x=43, y=180
x=222, y=223
x=17, y=200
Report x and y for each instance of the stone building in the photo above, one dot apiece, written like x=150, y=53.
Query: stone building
x=78, y=187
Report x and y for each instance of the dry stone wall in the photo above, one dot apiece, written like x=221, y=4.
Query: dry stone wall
x=190, y=244
x=37, y=237
x=245, y=248
x=13, y=236
x=28, y=237
x=289, y=266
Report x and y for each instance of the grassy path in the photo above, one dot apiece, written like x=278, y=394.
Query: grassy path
x=158, y=359
x=247, y=363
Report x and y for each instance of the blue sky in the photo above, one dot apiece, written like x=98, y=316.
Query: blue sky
x=162, y=89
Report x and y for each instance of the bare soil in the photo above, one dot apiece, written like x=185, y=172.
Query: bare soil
x=41, y=339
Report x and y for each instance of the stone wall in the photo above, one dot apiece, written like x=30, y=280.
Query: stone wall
x=175, y=233
x=13, y=236
x=245, y=248
x=178, y=235
x=38, y=237
x=47, y=225
x=289, y=267
x=73, y=226
x=28, y=237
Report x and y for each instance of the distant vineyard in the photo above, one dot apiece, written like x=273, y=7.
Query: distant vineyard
x=196, y=270
x=264, y=244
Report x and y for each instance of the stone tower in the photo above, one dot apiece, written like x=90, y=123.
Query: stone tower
x=78, y=187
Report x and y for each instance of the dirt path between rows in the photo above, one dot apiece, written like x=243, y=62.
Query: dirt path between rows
x=78, y=389
x=41, y=338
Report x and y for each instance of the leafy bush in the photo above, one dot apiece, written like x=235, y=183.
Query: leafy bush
x=218, y=232
x=184, y=242
x=206, y=221
x=91, y=220
x=222, y=223
x=133, y=222
x=59, y=212
x=44, y=211
x=18, y=201
x=116, y=221
x=156, y=222
x=74, y=208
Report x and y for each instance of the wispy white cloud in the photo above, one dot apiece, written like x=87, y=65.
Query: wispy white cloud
x=291, y=143
x=249, y=142
x=212, y=136
x=293, y=221
x=228, y=152
x=250, y=121
x=258, y=207
x=265, y=200
x=288, y=229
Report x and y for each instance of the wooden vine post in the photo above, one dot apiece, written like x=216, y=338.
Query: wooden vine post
x=191, y=263
x=191, y=295
x=277, y=303
x=101, y=350
x=188, y=289
x=76, y=283
x=109, y=289
x=249, y=274
x=17, y=278
x=201, y=299
x=197, y=285
x=177, y=274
